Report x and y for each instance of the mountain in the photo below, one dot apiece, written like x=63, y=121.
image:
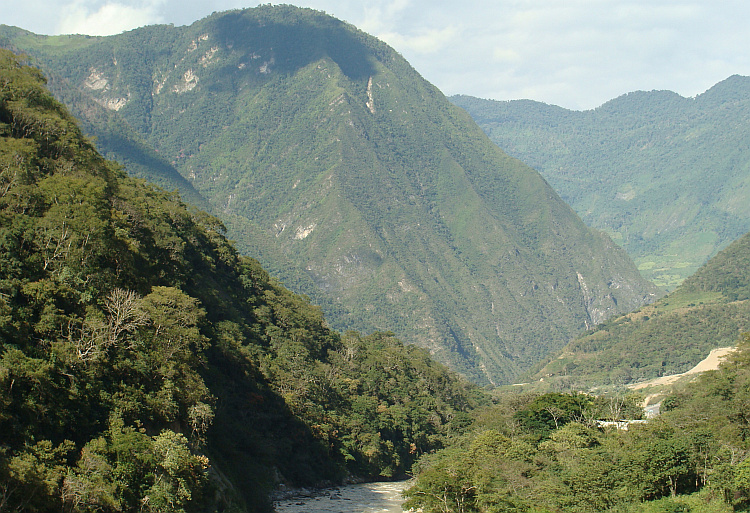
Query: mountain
x=146, y=365
x=710, y=309
x=116, y=136
x=355, y=182
x=667, y=177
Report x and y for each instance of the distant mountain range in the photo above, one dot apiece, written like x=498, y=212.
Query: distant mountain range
x=351, y=178
x=667, y=177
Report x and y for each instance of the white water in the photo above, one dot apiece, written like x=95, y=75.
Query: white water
x=359, y=498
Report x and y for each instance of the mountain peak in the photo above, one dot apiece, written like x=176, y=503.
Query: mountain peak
x=664, y=175
x=357, y=183
x=733, y=89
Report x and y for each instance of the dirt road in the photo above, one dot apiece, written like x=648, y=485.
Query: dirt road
x=711, y=362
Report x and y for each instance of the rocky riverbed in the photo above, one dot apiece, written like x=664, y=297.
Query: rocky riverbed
x=357, y=498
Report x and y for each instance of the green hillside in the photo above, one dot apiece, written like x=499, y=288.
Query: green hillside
x=710, y=309
x=113, y=134
x=355, y=182
x=549, y=453
x=146, y=366
x=667, y=177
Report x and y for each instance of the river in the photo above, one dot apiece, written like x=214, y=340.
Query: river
x=358, y=498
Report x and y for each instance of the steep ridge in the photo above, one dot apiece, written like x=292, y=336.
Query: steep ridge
x=710, y=310
x=666, y=177
x=145, y=364
x=357, y=183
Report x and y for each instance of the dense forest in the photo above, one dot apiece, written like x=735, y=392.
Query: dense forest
x=548, y=453
x=350, y=178
x=146, y=366
x=665, y=176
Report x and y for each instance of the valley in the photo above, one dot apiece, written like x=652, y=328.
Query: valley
x=261, y=253
x=710, y=309
x=665, y=176
x=394, y=213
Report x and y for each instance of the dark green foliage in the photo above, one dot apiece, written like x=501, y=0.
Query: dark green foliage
x=665, y=176
x=146, y=366
x=353, y=181
x=551, y=411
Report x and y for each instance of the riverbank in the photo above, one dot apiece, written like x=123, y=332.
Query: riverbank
x=383, y=497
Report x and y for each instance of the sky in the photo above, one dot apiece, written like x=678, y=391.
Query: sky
x=576, y=54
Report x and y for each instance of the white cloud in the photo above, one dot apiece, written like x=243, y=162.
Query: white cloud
x=506, y=55
x=576, y=53
x=581, y=53
x=381, y=16
x=105, y=20
x=427, y=42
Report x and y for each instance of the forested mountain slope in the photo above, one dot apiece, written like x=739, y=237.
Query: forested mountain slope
x=666, y=177
x=356, y=182
x=114, y=135
x=146, y=366
x=710, y=309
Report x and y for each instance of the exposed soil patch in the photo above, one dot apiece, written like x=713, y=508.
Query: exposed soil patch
x=711, y=362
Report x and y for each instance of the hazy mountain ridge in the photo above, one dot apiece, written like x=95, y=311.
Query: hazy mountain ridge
x=393, y=211
x=666, y=176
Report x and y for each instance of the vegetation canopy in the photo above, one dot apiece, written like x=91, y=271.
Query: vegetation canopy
x=708, y=311
x=665, y=176
x=550, y=453
x=146, y=366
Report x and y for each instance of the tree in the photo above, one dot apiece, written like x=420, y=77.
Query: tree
x=92, y=485
x=31, y=479
x=179, y=475
x=444, y=486
x=174, y=318
x=551, y=411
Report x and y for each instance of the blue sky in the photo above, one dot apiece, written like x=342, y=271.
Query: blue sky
x=574, y=53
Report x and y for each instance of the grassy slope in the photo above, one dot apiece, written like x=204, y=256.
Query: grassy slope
x=709, y=310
